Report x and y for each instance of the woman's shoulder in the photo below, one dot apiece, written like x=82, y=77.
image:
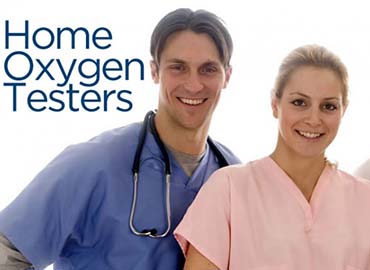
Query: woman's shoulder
x=358, y=183
x=240, y=172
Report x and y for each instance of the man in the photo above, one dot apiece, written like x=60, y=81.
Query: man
x=84, y=211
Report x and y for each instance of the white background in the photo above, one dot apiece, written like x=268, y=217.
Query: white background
x=263, y=33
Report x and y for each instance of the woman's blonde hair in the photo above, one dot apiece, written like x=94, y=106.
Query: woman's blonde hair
x=311, y=55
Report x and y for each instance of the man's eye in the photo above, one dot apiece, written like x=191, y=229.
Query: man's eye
x=177, y=67
x=209, y=70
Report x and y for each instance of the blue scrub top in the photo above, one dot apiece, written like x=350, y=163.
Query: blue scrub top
x=75, y=213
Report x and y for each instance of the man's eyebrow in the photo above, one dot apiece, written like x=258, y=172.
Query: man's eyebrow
x=181, y=61
x=212, y=62
x=175, y=60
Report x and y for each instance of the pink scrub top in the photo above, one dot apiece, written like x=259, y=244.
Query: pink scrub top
x=253, y=216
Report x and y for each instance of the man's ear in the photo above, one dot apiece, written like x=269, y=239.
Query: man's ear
x=228, y=73
x=154, y=71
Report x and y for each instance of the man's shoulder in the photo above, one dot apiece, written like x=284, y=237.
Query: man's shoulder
x=229, y=155
x=117, y=135
x=111, y=140
x=101, y=150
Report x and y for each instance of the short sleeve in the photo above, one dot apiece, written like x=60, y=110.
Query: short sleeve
x=206, y=224
x=41, y=219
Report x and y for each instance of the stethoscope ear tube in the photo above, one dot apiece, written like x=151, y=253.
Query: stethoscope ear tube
x=160, y=144
x=220, y=157
x=139, y=148
x=133, y=207
x=150, y=232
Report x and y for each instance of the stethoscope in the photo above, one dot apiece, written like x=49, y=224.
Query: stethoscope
x=149, y=125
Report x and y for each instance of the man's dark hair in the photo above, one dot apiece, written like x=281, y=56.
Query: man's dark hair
x=199, y=21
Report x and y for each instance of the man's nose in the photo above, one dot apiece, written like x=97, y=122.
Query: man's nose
x=193, y=82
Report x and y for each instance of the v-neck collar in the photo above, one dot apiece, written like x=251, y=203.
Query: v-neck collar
x=179, y=176
x=193, y=182
x=311, y=207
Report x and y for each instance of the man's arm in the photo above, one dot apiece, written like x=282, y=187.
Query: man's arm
x=10, y=257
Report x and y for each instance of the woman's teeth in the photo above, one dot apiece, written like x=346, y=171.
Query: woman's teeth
x=310, y=135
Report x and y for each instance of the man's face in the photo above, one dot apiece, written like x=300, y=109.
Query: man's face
x=191, y=76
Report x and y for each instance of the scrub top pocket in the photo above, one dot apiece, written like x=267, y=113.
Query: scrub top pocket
x=352, y=268
x=280, y=267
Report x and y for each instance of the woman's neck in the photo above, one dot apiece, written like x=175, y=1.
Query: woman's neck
x=304, y=171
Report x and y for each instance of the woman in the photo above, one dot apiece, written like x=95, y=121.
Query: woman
x=293, y=209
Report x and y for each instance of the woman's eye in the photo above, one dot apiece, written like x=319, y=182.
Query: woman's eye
x=329, y=107
x=298, y=102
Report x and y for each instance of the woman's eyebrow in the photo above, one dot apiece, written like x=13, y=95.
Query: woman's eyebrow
x=306, y=96
x=298, y=93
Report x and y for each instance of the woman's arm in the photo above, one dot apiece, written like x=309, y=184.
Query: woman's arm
x=195, y=260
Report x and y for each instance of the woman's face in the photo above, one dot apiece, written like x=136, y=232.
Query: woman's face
x=309, y=111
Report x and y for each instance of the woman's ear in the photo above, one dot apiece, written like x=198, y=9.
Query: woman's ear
x=274, y=104
x=345, y=108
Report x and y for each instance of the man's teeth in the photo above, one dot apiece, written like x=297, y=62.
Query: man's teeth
x=310, y=135
x=189, y=101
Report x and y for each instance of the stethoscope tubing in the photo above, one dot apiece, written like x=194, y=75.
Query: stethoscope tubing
x=149, y=124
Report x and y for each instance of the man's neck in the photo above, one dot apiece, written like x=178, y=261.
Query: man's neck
x=188, y=162
x=189, y=141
